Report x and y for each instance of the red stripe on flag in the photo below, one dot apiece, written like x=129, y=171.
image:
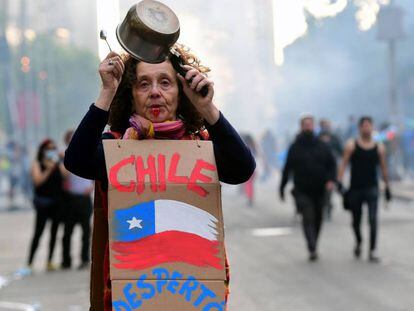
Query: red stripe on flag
x=167, y=247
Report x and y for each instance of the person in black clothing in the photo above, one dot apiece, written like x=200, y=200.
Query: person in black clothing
x=47, y=175
x=313, y=168
x=137, y=99
x=365, y=156
x=334, y=143
x=327, y=135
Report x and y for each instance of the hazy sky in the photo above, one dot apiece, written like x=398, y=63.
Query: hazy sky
x=290, y=19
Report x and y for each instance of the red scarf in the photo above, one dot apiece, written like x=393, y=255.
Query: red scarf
x=142, y=128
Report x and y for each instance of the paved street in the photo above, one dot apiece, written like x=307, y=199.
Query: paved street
x=269, y=267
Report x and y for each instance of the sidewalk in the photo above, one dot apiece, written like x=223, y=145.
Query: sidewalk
x=403, y=190
x=42, y=290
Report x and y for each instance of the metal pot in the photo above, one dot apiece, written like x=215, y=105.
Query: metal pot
x=148, y=31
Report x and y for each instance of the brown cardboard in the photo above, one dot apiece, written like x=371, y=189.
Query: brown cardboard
x=180, y=295
x=182, y=177
x=190, y=151
x=176, y=192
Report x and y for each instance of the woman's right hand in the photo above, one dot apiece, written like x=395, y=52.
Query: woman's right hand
x=111, y=70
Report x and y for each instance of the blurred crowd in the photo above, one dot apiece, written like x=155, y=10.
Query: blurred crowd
x=14, y=172
x=271, y=150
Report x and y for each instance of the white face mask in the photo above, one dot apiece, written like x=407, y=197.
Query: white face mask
x=52, y=155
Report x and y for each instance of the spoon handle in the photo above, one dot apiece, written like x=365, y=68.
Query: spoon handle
x=108, y=45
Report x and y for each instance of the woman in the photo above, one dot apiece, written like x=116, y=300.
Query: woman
x=137, y=99
x=47, y=179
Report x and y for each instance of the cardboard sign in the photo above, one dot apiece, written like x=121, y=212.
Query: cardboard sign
x=166, y=236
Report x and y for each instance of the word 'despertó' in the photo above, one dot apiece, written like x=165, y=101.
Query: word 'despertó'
x=135, y=293
x=160, y=172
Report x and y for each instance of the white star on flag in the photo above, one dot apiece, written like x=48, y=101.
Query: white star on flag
x=134, y=223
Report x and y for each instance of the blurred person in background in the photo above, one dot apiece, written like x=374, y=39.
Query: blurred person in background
x=25, y=179
x=365, y=156
x=15, y=171
x=78, y=210
x=328, y=136
x=407, y=146
x=269, y=147
x=313, y=168
x=334, y=143
x=4, y=170
x=47, y=176
x=148, y=101
x=352, y=128
x=248, y=186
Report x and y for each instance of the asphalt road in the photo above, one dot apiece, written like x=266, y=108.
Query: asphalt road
x=269, y=267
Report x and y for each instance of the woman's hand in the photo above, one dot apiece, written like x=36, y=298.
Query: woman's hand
x=111, y=70
x=204, y=105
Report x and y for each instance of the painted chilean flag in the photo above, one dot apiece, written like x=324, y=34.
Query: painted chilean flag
x=164, y=231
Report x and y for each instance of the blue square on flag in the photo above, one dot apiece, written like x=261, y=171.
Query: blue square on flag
x=134, y=223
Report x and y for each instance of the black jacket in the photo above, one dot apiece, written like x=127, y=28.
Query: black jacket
x=312, y=164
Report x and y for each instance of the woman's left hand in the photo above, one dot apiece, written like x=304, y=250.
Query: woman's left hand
x=204, y=105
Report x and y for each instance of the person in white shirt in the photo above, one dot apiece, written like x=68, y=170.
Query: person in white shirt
x=78, y=211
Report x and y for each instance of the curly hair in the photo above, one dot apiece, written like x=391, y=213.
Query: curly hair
x=122, y=104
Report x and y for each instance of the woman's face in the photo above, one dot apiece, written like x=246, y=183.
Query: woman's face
x=155, y=92
x=50, y=153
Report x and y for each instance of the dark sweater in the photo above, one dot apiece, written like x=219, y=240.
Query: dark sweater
x=85, y=156
x=311, y=163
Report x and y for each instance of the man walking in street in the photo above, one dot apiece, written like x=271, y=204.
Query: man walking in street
x=313, y=168
x=365, y=156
